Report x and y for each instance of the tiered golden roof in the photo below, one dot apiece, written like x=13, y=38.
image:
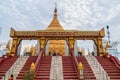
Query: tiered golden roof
x=55, y=25
x=57, y=46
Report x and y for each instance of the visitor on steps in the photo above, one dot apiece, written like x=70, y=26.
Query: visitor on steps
x=93, y=53
x=79, y=53
x=11, y=77
x=54, y=54
x=49, y=53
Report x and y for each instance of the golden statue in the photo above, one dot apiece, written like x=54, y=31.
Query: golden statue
x=33, y=50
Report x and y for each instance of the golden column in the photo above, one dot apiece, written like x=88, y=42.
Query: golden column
x=98, y=42
x=71, y=42
x=15, y=44
x=42, y=42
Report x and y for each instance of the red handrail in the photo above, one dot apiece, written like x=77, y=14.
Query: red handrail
x=38, y=58
x=115, y=61
x=76, y=62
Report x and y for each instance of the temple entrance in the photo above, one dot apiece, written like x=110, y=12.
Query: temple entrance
x=56, y=31
x=60, y=47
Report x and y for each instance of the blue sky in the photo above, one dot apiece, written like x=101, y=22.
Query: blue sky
x=73, y=14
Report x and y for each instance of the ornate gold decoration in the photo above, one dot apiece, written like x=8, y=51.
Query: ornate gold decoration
x=14, y=46
x=32, y=67
x=57, y=33
x=102, y=32
x=71, y=42
x=33, y=50
x=57, y=46
x=42, y=42
x=12, y=32
x=80, y=66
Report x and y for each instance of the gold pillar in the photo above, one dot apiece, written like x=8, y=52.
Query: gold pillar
x=71, y=42
x=15, y=44
x=99, y=45
x=42, y=42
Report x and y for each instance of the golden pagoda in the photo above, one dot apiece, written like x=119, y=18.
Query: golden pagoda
x=57, y=46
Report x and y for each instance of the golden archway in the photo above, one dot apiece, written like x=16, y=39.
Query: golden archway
x=55, y=32
x=70, y=36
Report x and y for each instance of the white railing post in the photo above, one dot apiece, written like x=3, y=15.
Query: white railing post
x=81, y=71
x=102, y=74
x=81, y=74
x=102, y=71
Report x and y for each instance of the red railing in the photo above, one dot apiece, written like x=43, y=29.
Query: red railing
x=38, y=59
x=75, y=62
x=115, y=61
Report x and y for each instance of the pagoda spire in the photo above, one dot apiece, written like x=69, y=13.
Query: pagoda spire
x=55, y=10
x=55, y=25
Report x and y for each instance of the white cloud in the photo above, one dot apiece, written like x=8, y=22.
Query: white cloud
x=91, y=15
x=113, y=12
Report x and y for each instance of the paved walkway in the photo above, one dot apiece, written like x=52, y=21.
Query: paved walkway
x=56, y=72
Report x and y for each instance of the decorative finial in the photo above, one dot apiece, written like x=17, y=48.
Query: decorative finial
x=55, y=11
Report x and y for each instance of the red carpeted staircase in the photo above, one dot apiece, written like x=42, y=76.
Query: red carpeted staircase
x=43, y=70
x=87, y=70
x=5, y=65
x=26, y=67
x=109, y=67
x=69, y=71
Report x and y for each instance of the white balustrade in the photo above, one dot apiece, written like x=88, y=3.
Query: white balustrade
x=18, y=64
x=97, y=69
